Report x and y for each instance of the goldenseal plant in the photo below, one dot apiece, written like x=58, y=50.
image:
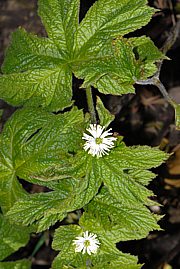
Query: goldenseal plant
x=86, y=168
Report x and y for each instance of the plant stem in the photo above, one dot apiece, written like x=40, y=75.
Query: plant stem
x=173, y=35
x=156, y=82
x=91, y=105
x=39, y=244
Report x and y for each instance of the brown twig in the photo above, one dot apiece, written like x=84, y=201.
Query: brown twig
x=154, y=80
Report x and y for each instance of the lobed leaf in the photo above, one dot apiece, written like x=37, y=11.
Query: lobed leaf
x=108, y=20
x=12, y=237
x=147, y=54
x=105, y=117
x=38, y=87
x=10, y=188
x=38, y=71
x=119, y=64
x=32, y=142
x=122, y=175
x=28, y=51
x=21, y=264
x=115, y=172
x=106, y=216
x=115, y=60
x=141, y=176
x=124, y=172
x=70, y=194
x=43, y=209
x=60, y=19
x=107, y=255
x=37, y=146
x=43, y=76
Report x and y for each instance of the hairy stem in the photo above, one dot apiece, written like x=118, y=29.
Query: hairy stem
x=91, y=105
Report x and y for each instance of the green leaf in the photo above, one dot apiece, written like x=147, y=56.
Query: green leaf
x=38, y=151
x=69, y=232
x=147, y=54
x=114, y=62
x=108, y=61
x=137, y=157
x=141, y=176
x=12, y=237
x=119, y=64
x=28, y=51
x=108, y=19
x=124, y=172
x=44, y=87
x=106, y=216
x=46, y=149
x=32, y=142
x=86, y=168
x=115, y=168
x=63, y=240
x=21, y=264
x=41, y=75
x=10, y=188
x=38, y=71
x=105, y=117
x=45, y=209
x=107, y=255
x=60, y=19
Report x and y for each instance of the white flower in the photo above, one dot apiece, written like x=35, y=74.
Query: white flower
x=99, y=142
x=86, y=243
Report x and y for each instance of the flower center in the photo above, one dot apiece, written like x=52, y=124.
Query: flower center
x=99, y=140
x=86, y=243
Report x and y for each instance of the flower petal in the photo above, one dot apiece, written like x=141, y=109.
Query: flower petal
x=91, y=145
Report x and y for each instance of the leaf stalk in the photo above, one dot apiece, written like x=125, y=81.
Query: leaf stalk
x=90, y=103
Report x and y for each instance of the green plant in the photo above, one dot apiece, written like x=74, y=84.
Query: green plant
x=47, y=148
